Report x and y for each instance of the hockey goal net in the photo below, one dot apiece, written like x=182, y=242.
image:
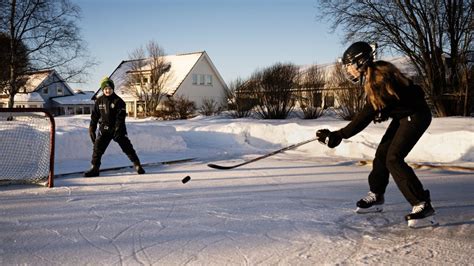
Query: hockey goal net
x=26, y=146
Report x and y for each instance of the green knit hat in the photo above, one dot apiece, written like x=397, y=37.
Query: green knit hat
x=107, y=82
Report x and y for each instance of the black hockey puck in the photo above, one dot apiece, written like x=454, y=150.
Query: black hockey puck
x=186, y=179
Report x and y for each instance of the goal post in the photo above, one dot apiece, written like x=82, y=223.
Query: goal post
x=27, y=139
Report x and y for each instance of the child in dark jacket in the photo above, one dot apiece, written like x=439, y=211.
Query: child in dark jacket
x=109, y=112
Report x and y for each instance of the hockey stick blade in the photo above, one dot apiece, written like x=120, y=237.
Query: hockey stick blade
x=223, y=167
x=294, y=146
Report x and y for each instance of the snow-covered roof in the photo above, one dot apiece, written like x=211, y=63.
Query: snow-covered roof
x=181, y=66
x=35, y=79
x=81, y=97
x=28, y=97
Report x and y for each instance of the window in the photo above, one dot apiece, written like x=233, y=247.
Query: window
x=70, y=110
x=60, y=90
x=209, y=80
x=79, y=110
x=202, y=79
x=45, y=91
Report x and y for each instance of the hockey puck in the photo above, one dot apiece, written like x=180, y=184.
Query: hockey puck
x=186, y=179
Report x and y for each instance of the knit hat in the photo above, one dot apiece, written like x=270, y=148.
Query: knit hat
x=107, y=82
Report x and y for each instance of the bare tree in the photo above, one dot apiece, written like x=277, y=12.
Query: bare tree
x=48, y=31
x=309, y=94
x=240, y=100
x=149, y=75
x=351, y=97
x=273, y=87
x=424, y=31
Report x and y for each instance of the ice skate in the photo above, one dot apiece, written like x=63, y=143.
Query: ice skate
x=370, y=203
x=138, y=167
x=94, y=171
x=422, y=215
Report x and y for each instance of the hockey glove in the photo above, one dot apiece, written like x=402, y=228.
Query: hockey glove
x=92, y=134
x=380, y=117
x=332, y=139
x=119, y=133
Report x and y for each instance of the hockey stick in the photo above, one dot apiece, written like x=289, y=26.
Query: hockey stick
x=296, y=145
x=131, y=166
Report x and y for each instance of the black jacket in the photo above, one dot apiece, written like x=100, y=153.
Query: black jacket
x=110, y=113
x=411, y=100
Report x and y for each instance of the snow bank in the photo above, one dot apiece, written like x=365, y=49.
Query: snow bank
x=447, y=140
x=73, y=141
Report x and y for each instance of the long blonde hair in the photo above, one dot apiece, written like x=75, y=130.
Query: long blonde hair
x=381, y=79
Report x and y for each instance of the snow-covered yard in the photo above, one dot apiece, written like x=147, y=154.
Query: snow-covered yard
x=293, y=208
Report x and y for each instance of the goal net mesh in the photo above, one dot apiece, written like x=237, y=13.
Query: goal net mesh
x=25, y=146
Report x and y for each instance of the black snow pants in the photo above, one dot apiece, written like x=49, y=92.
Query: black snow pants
x=103, y=141
x=399, y=139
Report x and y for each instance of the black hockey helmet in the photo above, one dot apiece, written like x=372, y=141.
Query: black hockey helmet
x=359, y=54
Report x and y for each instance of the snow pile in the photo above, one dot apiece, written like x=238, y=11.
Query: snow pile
x=73, y=141
x=447, y=140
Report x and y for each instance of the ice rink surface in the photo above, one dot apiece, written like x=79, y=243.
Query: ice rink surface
x=283, y=210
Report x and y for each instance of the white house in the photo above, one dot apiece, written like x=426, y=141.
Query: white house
x=191, y=75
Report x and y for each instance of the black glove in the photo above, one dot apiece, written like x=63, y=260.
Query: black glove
x=92, y=133
x=332, y=139
x=118, y=133
x=380, y=117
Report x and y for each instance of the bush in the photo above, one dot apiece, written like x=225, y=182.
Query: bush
x=273, y=89
x=178, y=108
x=239, y=99
x=309, y=95
x=210, y=107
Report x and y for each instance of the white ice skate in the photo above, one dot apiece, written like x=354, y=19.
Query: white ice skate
x=422, y=215
x=370, y=203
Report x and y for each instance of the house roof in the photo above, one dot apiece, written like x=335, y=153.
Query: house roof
x=28, y=97
x=81, y=97
x=36, y=80
x=181, y=66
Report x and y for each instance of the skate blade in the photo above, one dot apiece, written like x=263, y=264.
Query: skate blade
x=421, y=223
x=369, y=210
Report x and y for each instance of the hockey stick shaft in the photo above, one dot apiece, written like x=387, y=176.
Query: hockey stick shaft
x=177, y=161
x=293, y=146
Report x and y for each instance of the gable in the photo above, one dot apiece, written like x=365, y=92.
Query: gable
x=205, y=65
x=181, y=65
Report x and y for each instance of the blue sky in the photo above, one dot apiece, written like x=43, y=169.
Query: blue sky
x=240, y=36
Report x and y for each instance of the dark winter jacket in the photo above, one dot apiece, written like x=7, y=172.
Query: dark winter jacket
x=110, y=113
x=411, y=100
